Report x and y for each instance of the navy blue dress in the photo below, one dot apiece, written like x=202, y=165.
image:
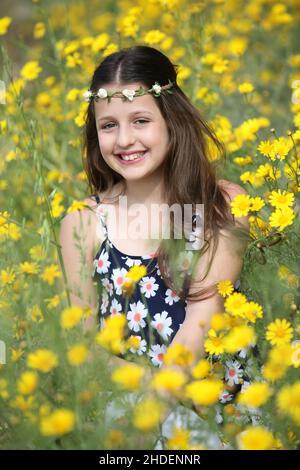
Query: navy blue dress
x=154, y=312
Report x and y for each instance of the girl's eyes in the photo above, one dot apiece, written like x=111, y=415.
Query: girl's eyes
x=111, y=123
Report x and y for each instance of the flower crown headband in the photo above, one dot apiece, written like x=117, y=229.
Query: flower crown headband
x=127, y=94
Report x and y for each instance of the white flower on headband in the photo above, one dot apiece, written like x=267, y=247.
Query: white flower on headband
x=129, y=94
x=102, y=93
x=87, y=95
x=156, y=88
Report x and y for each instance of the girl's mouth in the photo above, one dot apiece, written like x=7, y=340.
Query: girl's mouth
x=132, y=159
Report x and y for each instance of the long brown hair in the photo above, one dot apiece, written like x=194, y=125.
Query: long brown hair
x=190, y=177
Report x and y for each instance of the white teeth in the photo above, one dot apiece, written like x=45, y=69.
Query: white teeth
x=132, y=157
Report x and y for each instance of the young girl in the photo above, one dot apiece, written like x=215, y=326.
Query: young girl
x=145, y=140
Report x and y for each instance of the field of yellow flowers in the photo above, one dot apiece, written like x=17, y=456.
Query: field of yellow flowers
x=240, y=65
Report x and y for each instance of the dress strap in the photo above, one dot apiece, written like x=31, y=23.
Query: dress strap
x=101, y=215
x=97, y=198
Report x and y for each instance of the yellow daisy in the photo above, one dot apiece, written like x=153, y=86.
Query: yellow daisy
x=280, y=331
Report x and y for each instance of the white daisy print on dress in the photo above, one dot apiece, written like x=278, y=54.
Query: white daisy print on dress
x=131, y=262
x=162, y=323
x=148, y=286
x=225, y=396
x=233, y=372
x=171, y=297
x=136, y=316
x=104, y=303
x=102, y=263
x=108, y=286
x=156, y=353
x=118, y=277
x=141, y=348
x=115, y=307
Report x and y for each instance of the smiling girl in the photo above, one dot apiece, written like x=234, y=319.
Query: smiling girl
x=144, y=140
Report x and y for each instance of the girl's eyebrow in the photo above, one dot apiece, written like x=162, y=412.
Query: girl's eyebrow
x=141, y=111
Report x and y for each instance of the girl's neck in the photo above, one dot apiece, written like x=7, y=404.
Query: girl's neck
x=144, y=192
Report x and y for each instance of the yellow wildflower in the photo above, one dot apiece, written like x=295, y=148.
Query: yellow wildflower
x=77, y=354
x=31, y=70
x=225, y=287
x=77, y=205
x=114, y=439
x=288, y=401
x=255, y=438
x=178, y=354
x=58, y=423
x=147, y=414
x=29, y=268
x=39, y=30
x=257, y=394
x=240, y=205
x=281, y=199
x=218, y=322
x=214, y=344
x=201, y=369
x=50, y=273
x=239, y=337
x=265, y=147
x=295, y=354
x=169, y=380
x=235, y=303
x=179, y=440
x=128, y=376
x=245, y=87
x=111, y=336
x=279, y=331
x=27, y=383
x=204, y=392
x=256, y=203
x=70, y=317
x=7, y=277
x=43, y=360
x=4, y=24
x=136, y=272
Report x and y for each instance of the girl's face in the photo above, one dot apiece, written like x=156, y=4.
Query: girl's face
x=131, y=126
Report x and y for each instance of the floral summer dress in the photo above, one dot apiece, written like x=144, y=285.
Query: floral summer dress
x=154, y=312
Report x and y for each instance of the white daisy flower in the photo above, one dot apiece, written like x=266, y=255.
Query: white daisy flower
x=136, y=316
x=148, y=286
x=141, y=347
x=233, y=372
x=171, y=297
x=115, y=307
x=162, y=324
x=102, y=263
x=157, y=353
x=119, y=277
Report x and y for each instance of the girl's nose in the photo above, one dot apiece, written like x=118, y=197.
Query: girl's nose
x=125, y=137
